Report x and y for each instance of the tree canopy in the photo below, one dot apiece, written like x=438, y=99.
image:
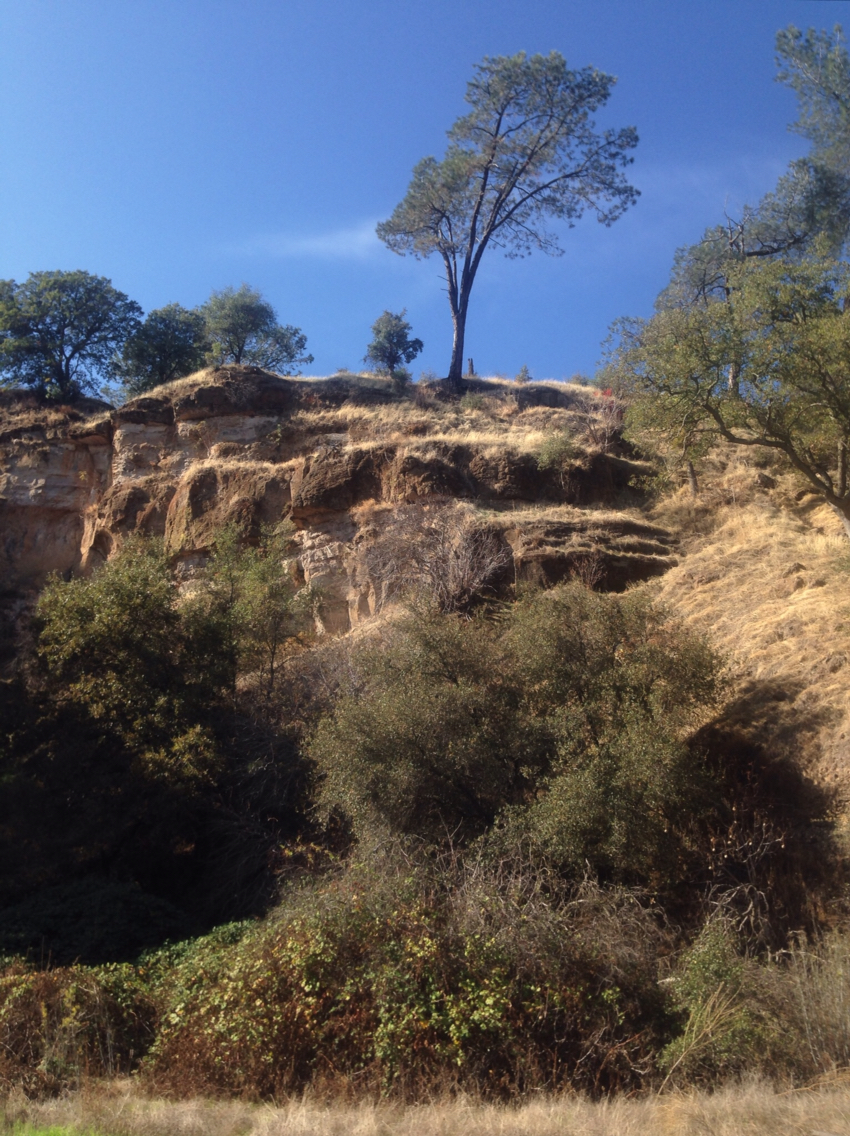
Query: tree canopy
x=169, y=344
x=767, y=367
x=59, y=331
x=527, y=151
x=811, y=201
x=391, y=344
x=242, y=328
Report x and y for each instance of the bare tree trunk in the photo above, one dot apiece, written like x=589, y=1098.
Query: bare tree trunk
x=734, y=373
x=456, y=365
x=692, y=480
x=842, y=514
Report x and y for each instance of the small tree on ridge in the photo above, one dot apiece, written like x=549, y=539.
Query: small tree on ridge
x=392, y=345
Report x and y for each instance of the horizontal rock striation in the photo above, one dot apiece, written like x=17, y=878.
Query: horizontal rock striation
x=241, y=445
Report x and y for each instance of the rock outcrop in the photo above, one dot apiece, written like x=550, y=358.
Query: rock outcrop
x=335, y=456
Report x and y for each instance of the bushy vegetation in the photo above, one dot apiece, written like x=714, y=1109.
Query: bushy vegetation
x=140, y=776
x=480, y=853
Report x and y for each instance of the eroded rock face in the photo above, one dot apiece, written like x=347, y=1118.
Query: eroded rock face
x=75, y=483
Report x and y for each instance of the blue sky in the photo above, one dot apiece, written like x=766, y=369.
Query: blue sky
x=177, y=146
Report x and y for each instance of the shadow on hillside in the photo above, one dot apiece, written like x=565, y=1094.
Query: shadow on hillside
x=774, y=862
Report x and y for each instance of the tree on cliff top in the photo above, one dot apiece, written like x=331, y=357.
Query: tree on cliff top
x=526, y=151
x=391, y=343
x=785, y=332
x=171, y=343
x=242, y=328
x=59, y=331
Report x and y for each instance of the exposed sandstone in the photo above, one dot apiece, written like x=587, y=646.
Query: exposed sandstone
x=240, y=445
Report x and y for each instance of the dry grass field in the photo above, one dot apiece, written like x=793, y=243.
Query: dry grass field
x=766, y=576
x=747, y=1110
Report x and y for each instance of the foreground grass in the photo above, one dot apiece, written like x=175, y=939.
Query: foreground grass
x=748, y=1110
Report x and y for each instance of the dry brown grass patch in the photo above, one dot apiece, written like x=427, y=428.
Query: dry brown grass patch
x=747, y=1110
x=771, y=588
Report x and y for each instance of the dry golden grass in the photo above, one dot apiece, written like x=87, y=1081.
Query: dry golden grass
x=497, y=427
x=509, y=516
x=749, y=1110
x=769, y=582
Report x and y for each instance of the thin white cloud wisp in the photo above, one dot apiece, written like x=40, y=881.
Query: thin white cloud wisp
x=356, y=242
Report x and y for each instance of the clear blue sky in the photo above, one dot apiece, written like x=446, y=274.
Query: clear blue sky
x=178, y=146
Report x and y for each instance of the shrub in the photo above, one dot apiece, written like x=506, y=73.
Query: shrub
x=564, y=720
x=557, y=452
x=414, y=981
x=57, y=1026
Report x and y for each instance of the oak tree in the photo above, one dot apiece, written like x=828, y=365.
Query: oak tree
x=784, y=332
x=59, y=331
x=169, y=344
x=242, y=328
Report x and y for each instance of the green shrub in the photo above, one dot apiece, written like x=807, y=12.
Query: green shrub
x=557, y=452
x=563, y=719
x=726, y=1027
x=416, y=981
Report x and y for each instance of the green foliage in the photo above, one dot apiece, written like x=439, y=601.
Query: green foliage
x=169, y=344
x=816, y=66
x=766, y=368
x=242, y=327
x=126, y=653
x=523, y=375
x=131, y=765
x=811, y=202
x=391, y=345
x=60, y=330
x=725, y=1031
x=253, y=588
x=563, y=720
x=557, y=452
x=526, y=151
x=402, y=982
x=473, y=401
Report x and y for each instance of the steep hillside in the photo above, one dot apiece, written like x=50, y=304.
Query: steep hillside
x=363, y=472
x=764, y=570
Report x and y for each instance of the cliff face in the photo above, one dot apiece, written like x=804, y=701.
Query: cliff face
x=342, y=458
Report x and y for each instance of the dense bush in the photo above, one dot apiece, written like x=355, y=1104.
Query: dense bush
x=382, y=980
x=59, y=1025
x=131, y=760
x=543, y=817
x=563, y=719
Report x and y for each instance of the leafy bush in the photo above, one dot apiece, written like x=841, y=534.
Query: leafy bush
x=59, y=1025
x=129, y=766
x=564, y=720
x=557, y=452
x=414, y=981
